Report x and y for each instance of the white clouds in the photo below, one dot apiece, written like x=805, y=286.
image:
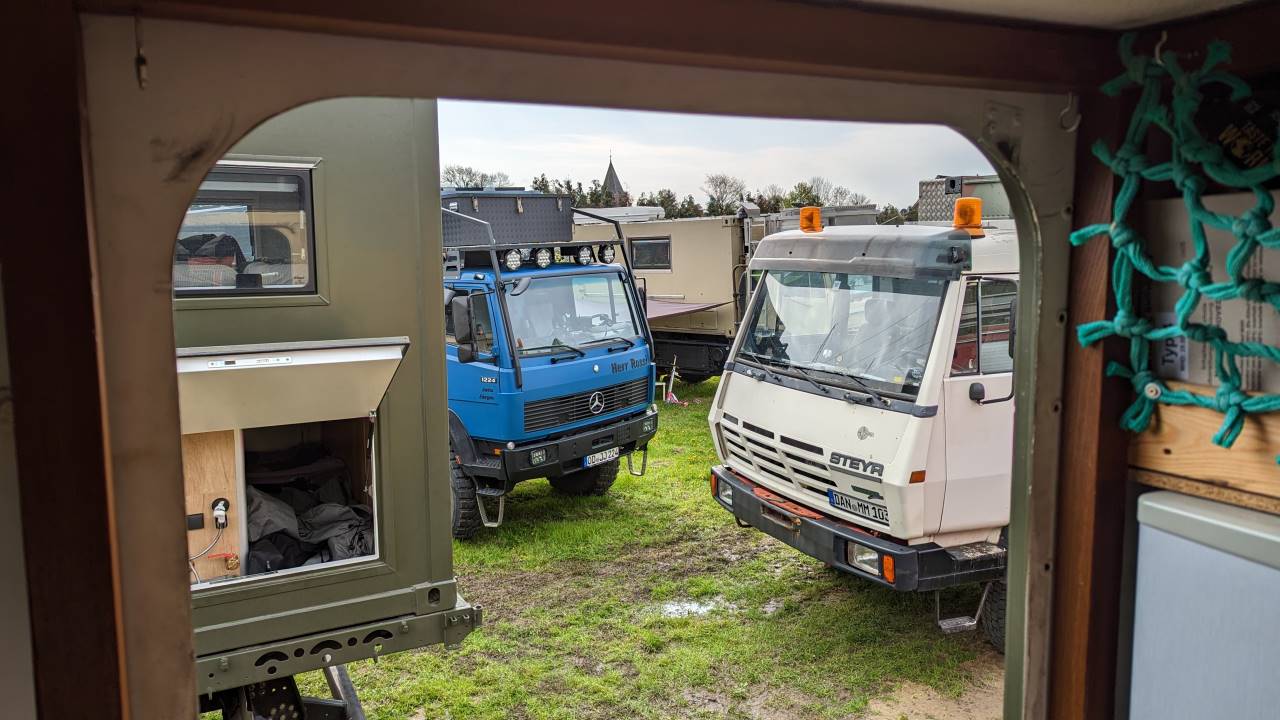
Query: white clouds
x=656, y=150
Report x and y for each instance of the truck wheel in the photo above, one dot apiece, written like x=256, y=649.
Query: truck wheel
x=993, y=613
x=466, y=506
x=591, y=481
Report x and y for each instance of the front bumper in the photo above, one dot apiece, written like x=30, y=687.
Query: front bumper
x=917, y=567
x=564, y=454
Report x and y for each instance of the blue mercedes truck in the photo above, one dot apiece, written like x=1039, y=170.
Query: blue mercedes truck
x=549, y=356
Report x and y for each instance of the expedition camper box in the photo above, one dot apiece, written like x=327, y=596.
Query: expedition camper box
x=311, y=390
x=549, y=357
x=865, y=416
x=694, y=273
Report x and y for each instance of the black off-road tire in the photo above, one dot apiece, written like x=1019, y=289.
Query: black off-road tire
x=590, y=481
x=466, y=506
x=993, y=612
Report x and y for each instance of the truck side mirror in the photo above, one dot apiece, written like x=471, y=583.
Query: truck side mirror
x=644, y=297
x=977, y=392
x=463, y=329
x=521, y=285
x=1013, y=324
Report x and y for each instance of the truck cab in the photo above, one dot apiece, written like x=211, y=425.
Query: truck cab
x=865, y=416
x=549, y=357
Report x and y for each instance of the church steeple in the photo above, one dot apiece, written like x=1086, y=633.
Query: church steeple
x=614, y=185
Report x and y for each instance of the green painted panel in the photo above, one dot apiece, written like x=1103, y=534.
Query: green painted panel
x=376, y=214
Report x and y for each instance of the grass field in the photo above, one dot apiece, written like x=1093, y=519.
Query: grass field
x=651, y=603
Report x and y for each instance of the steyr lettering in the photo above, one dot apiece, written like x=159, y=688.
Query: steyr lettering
x=857, y=464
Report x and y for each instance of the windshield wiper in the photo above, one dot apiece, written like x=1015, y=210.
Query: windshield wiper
x=760, y=360
x=616, y=338
x=557, y=345
x=804, y=375
x=865, y=388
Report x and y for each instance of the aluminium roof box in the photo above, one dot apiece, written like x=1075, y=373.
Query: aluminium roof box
x=497, y=217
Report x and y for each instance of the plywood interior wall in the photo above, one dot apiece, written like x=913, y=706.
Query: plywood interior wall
x=1176, y=452
x=211, y=467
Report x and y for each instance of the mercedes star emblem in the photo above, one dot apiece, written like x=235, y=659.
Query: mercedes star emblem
x=597, y=403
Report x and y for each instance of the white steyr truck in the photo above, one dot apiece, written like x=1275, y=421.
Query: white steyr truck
x=865, y=416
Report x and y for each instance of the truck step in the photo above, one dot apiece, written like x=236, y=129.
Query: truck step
x=963, y=623
x=492, y=492
x=959, y=623
x=976, y=551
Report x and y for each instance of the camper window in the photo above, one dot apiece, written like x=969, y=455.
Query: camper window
x=651, y=253
x=248, y=232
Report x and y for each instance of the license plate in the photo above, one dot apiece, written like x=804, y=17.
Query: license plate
x=601, y=457
x=868, y=510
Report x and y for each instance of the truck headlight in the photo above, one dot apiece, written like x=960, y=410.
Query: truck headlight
x=584, y=255
x=724, y=491
x=862, y=557
x=537, y=456
x=650, y=424
x=606, y=253
x=512, y=260
x=543, y=257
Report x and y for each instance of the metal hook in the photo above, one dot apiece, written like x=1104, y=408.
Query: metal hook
x=1164, y=36
x=1062, y=116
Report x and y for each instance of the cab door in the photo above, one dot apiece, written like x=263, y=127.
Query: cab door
x=474, y=386
x=978, y=407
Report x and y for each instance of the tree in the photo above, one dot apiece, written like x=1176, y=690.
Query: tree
x=665, y=199
x=803, y=195
x=891, y=215
x=689, y=208
x=770, y=199
x=577, y=196
x=467, y=176
x=831, y=194
x=723, y=193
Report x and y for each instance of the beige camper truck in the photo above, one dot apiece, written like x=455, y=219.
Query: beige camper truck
x=691, y=271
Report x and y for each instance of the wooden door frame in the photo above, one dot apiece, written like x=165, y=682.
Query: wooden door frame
x=58, y=389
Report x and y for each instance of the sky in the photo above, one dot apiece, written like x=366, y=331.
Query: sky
x=654, y=150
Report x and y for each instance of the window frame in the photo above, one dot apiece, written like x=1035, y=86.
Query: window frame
x=978, y=281
x=489, y=356
x=652, y=239
x=311, y=169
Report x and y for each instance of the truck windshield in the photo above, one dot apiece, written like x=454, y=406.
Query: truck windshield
x=571, y=312
x=876, y=329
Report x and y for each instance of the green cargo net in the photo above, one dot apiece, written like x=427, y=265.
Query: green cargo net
x=1192, y=159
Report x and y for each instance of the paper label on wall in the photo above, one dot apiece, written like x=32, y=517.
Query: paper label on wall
x=1165, y=225
x=1169, y=357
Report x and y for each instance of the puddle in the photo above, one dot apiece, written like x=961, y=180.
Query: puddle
x=690, y=608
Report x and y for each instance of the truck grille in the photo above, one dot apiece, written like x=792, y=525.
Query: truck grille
x=798, y=464
x=543, y=414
